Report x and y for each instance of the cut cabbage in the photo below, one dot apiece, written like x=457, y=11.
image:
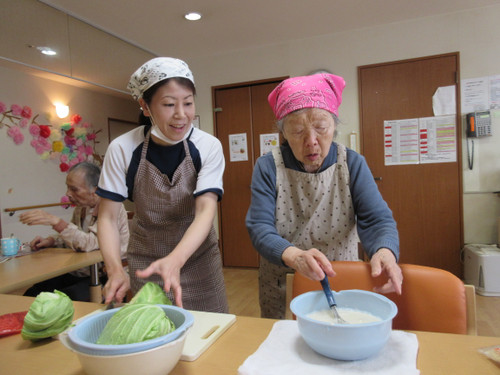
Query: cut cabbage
x=135, y=323
x=49, y=315
x=151, y=293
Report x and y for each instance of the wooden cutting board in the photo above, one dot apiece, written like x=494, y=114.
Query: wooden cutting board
x=207, y=328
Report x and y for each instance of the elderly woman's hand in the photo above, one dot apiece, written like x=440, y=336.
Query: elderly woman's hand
x=385, y=261
x=311, y=263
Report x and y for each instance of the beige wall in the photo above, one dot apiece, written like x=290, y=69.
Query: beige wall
x=25, y=178
x=475, y=34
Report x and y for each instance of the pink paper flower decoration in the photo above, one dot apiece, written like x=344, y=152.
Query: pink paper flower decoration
x=34, y=130
x=65, y=199
x=15, y=133
x=69, y=143
x=16, y=109
x=26, y=112
x=23, y=123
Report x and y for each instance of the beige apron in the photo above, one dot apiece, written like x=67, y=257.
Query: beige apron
x=164, y=211
x=313, y=210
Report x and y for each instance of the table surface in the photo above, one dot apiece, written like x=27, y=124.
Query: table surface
x=26, y=270
x=439, y=353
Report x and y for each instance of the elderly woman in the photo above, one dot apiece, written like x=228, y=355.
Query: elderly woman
x=312, y=197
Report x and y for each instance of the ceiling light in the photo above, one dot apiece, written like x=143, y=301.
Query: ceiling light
x=192, y=16
x=47, y=51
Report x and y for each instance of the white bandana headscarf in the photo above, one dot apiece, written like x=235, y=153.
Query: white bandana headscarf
x=154, y=71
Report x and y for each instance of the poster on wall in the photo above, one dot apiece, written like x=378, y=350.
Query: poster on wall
x=238, y=149
x=268, y=142
x=420, y=140
x=475, y=96
x=480, y=94
x=438, y=139
x=401, y=142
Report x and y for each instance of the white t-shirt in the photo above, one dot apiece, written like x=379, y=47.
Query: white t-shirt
x=123, y=156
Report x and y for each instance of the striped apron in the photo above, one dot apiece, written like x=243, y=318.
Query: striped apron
x=164, y=211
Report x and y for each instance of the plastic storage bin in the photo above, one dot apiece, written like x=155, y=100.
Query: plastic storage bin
x=482, y=268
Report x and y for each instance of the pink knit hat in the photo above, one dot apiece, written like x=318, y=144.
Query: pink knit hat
x=321, y=90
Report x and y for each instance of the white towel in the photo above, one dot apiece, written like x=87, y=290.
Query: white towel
x=285, y=352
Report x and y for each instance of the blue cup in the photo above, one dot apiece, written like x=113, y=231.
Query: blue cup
x=10, y=246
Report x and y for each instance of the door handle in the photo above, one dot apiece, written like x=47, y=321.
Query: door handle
x=377, y=178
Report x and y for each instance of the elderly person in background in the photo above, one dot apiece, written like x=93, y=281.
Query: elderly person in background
x=312, y=197
x=80, y=234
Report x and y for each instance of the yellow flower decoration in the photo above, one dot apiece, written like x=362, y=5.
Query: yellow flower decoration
x=57, y=146
x=45, y=155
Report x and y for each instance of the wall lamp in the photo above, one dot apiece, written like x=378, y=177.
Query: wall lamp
x=61, y=110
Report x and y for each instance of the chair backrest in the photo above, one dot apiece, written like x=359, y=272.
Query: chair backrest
x=432, y=300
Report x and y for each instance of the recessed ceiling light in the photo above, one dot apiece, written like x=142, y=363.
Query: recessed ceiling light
x=192, y=16
x=47, y=51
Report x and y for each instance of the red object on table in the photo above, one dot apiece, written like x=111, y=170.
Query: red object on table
x=12, y=323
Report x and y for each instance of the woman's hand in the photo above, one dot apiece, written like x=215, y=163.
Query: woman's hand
x=109, y=242
x=385, y=261
x=116, y=287
x=169, y=268
x=311, y=263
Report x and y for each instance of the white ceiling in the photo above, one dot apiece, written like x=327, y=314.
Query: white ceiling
x=158, y=26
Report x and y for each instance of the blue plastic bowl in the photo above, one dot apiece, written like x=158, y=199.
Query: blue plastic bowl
x=84, y=335
x=346, y=342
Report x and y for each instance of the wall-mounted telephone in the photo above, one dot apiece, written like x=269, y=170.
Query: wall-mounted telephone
x=478, y=124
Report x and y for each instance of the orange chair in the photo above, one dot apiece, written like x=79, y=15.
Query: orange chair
x=432, y=299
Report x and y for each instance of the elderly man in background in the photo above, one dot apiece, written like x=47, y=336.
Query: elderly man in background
x=80, y=234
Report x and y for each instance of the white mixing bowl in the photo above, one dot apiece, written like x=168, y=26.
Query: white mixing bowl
x=156, y=361
x=345, y=341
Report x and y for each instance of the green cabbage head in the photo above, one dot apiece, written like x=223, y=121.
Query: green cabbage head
x=49, y=314
x=135, y=323
x=151, y=293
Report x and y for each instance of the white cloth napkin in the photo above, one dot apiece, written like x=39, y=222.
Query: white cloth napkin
x=285, y=352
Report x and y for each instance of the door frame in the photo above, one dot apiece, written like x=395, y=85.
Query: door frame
x=250, y=140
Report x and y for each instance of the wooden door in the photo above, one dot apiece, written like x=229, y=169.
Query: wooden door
x=240, y=108
x=426, y=199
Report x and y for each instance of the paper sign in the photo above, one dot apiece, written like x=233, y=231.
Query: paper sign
x=438, y=139
x=238, y=149
x=401, y=142
x=268, y=142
